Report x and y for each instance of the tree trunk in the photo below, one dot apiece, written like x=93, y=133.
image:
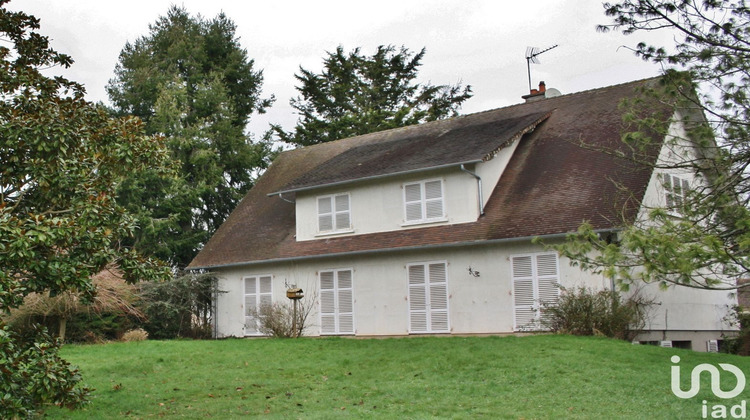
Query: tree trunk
x=61, y=328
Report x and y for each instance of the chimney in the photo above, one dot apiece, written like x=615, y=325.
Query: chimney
x=536, y=94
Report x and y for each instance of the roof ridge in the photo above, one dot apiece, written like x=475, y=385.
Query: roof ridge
x=430, y=124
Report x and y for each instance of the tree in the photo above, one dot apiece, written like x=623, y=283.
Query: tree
x=190, y=81
x=703, y=240
x=61, y=159
x=356, y=94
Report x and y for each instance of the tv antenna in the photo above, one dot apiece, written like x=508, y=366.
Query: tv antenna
x=531, y=57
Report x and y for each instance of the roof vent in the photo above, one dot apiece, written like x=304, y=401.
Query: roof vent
x=541, y=93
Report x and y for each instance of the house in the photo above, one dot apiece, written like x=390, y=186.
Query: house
x=428, y=229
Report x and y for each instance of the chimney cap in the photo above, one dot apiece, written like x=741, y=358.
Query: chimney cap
x=541, y=93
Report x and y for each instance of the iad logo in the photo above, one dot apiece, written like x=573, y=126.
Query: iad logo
x=695, y=380
x=718, y=411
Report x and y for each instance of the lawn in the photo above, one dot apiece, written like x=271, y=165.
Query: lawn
x=417, y=377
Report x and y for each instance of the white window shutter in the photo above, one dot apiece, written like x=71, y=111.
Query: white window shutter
x=547, y=278
x=535, y=281
x=342, y=212
x=423, y=201
x=712, y=346
x=665, y=343
x=428, y=298
x=438, y=298
x=413, y=201
x=327, y=303
x=345, y=301
x=433, y=199
x=325, y=214
x=523, y=291
x=258, y=292
x=336, y=302
x=265, y=287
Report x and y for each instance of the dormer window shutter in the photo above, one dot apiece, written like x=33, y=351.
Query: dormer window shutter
x=342, y=212
x=334, y=213
x=413, y=200
x=423, y=201
x=433, y=197
x=325, y=214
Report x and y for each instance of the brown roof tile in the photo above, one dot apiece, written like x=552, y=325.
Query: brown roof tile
x=550, y=185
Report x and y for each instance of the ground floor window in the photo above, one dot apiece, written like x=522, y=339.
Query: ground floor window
x=257, y=293
x=535, y=280
x=336, y=302
x=428, y=297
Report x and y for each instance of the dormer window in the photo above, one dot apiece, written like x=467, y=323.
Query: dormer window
x=334, y=214
x=676, y=190
x=423, y=201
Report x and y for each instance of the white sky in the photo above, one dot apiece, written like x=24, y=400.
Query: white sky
x=477, y=42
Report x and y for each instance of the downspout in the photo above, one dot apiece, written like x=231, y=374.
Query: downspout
x=281, y=196
x=479, y=187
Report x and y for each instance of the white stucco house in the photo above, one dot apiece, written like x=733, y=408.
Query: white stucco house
x=428, y=229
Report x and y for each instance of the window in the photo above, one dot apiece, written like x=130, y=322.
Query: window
x=257, y=294
x=535, y=280
x=336, y=302
x=423, y=201
x=334, y=213
x=428, y=298
x=676, y=190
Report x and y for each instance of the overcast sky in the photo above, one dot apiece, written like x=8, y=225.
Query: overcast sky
x=477, y=42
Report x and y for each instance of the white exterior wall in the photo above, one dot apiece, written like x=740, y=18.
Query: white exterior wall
x=378, y=205
x=481, y=304
x=676, y=148
x=491, y=170
x=680, y=308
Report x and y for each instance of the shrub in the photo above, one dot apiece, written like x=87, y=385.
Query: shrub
x=277, y=319
x=33, y=374
x=583, y=311
x=138, y=334
x=739, y=343
x=97, y=328
x=179, y=307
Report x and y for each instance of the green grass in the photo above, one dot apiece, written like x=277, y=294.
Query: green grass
x=417, y=377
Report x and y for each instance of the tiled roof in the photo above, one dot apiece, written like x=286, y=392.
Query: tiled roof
x=551, y=184
x=415, y=150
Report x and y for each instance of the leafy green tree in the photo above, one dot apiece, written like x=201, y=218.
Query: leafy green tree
x=190, y=81
x=61, y=159
x=703, y=240
x=356, y=94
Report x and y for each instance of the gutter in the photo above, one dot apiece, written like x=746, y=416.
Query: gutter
x=393, y=250
x=479, y=187
x=367, y=178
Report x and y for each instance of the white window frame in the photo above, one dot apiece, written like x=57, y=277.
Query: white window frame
x=429, y=301
x=259, y=297
x=340, y=310
x=676, y=189
x=423, y=202
x=334, y=214
x=527, y=313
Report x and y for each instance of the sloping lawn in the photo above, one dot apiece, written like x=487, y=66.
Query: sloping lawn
x=417, y=377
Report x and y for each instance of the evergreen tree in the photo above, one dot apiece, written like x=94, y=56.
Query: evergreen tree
x=190, y=81
x=356, y=94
